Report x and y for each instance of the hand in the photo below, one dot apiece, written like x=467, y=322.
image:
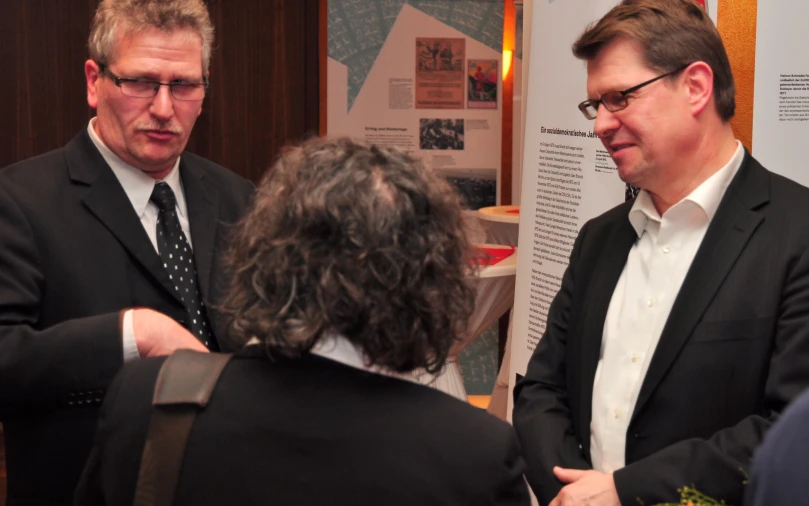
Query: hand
x=156, y=334
x=585, y=488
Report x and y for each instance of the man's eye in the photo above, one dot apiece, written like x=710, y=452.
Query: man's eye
x=613, y=100
x=141, y=85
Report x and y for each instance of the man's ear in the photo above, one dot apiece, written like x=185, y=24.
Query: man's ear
x=92, y=73
x=698, y=81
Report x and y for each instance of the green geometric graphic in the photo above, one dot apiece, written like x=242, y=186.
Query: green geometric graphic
x=358, y=29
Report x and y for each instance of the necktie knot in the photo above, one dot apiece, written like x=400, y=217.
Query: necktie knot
x=163, y=197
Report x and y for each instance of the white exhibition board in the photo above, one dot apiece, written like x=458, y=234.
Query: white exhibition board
x=567, y=175
x=781, y=103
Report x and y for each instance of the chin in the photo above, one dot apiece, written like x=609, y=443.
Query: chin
x=631, y=173
x=626, y=175
x=158, y=159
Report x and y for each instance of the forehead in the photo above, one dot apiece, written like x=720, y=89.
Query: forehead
x=157, y=51
x=619, y=65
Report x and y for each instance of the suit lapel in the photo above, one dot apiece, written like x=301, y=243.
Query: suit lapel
x=729, y=231
x=203, y=210
x=599, y=293
x=108, y=201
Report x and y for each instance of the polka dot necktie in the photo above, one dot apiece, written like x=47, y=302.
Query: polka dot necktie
x=178, y=259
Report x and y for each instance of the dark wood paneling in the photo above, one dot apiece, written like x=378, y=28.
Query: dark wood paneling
x=264, y=74
x=264, y=85
x=42, y=91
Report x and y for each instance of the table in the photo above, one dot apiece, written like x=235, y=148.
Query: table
x=498, y=404
x=494, y=295
x=502, y=224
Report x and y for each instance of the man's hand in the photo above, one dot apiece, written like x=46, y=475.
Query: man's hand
x=156, y=334
x=585, y=488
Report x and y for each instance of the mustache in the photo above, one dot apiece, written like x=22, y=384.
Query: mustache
x=166, y=127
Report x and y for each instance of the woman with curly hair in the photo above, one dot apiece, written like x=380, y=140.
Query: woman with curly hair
x=350, y=271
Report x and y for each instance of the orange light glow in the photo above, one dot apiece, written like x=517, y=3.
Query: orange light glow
x=507, y=58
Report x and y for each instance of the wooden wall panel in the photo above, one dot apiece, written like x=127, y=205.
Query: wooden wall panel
x=264, y=75
x=264, y=83
x=42, y=91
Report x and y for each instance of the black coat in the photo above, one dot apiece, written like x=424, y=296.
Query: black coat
x=734, y=350
x=311, y=431
x=73, y=254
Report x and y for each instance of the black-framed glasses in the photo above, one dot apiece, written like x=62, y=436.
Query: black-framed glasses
x=615, y=101
x=148, y=88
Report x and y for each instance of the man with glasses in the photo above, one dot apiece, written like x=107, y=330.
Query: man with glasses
x=111, y=245
x=681, y=329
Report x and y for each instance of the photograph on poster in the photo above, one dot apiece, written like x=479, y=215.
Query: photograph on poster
x=439, y=73
x=436, y=133
x=477, y=187
x=482, y=86
x=518, y=28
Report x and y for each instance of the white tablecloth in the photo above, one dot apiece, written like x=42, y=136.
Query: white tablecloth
x=498, y=405
x=494, y=296
x=502, y=227
x=501, y=223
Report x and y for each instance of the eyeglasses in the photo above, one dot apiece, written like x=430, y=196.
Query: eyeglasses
x=615, y=101
x=147, y=88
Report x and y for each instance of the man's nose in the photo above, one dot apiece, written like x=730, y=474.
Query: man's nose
x=162, y=104
x=606, y=122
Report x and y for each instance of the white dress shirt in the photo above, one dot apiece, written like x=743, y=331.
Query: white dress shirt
x=138, y=187
x=655, y=269
x=338, y=348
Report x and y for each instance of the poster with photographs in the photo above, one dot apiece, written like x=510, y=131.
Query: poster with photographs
x=482, y=84
x=397, y=75
x=439, y=73
x=436, y=133
x=477, y=187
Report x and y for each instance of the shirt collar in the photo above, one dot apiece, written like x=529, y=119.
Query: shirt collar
x=706, y=196
x=336, y=347
x=138, y=185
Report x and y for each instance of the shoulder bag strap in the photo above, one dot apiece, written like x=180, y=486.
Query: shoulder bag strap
x=183, y=387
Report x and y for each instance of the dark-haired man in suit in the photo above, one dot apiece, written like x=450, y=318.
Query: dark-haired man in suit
x=681, y=329
x=111, y=244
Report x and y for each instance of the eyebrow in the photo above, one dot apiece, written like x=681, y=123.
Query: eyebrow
x=149, y=75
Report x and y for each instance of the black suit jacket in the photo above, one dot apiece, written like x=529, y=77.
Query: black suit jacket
x=311, y=431
x=73, y=254
x=734, y=350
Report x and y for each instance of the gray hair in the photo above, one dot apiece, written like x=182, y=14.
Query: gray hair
x=355, y=239
x=116, y=18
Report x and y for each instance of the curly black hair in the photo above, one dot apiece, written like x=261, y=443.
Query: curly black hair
x=356, y=239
